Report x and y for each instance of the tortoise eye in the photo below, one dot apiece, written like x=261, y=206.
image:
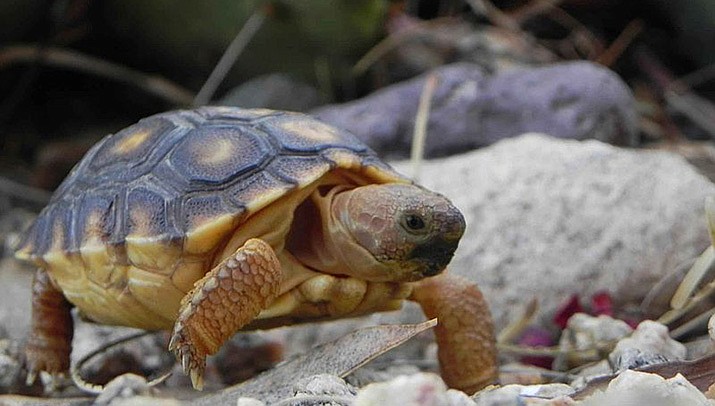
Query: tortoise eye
x=414, y=222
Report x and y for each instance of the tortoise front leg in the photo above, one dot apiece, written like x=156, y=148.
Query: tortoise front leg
x=51, y=329
x=465, y=331
x=227, y=298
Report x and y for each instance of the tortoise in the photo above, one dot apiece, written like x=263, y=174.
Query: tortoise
x=221, y=219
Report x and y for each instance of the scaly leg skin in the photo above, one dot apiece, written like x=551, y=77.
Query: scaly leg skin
x=465, y=331
x=50, y=341
x=227, y=298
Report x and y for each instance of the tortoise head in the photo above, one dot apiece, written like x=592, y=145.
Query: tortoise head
x=409, y=232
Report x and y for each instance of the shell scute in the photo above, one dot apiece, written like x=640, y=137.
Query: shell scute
x=257, y=191
x=95, y=217
x=216, y=155
x=296, y=134
x=123, y=155
x=146, y=213
x=299, y=170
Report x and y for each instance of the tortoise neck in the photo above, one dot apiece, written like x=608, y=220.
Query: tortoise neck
x=320, y=239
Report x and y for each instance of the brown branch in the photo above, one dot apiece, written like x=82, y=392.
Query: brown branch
x=619, y=45
x=677, y=94
x=494, y=14
x=23, y=192
x=534, y=8
x=391, y=42
x=421, y=120
x=79, y=62
x=229, y=57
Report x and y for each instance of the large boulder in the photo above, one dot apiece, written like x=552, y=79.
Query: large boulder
x=548, y=218
x=470, y=108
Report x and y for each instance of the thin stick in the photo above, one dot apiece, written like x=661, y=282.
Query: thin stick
x=619, y=45
x=392, y=41
x=23, y=192
x=532, y=9
x=677, y=94
x=566, y=20
x=698, y=77
x=697, y=273
x=699, y=321
x=420, y=135
x=492, y=12
x=516, y=327
x=93, y=388
x=229, y=57
x=554, y=351
x=674, y=314
x=79, y=62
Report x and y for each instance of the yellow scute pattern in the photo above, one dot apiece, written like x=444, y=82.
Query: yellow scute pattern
x=131, y=142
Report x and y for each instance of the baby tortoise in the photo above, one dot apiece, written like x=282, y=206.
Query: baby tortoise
x=217, y=220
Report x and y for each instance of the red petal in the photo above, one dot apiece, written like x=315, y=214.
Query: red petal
x=566, y=310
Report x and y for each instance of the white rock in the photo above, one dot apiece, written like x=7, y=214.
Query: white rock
x=650, y=343
x=555, y=394
x=249, y=402
x=125, y=386
x=323, y=384
x=547, y=218
x=585, y=332
x=423, y=389
x=633, y=388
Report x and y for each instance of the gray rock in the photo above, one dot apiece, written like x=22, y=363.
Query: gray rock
x=15, y=298
x=249, y=402
x=423, y=389
x=555, y=394
x=123, y=387
x=324, y=384
x=11, y=368
x=585, y=332
x=323, y=389
x=576, y=100
x=548, y=218
x=649, y=344
x=640, y=388
x=277, y=91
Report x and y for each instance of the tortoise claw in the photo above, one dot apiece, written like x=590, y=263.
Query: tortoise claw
x=193, y=361
x=197, y=379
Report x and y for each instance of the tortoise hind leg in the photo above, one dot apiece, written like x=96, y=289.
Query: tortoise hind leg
x=227, y=298
x=51, y=329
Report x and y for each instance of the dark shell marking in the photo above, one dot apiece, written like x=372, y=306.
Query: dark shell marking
x=173, y=172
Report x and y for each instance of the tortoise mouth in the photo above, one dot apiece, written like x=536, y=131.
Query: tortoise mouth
x=434, y=255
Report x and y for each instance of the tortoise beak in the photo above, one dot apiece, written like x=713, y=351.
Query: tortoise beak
x=434, y=255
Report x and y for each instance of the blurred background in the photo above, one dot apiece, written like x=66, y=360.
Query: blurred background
x=72, y=71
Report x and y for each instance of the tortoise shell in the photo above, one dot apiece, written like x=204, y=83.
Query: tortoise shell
x=182, y=182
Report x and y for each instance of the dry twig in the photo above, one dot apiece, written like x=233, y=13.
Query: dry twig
x=421, y=120
x=494, y=14
x=391, y=42
x=619, y=45
x=532, y=9
x=516, y=327
x=229, y=57
x=79, y=62
x=75, y=370
x=677, y=94
x=23, y=192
